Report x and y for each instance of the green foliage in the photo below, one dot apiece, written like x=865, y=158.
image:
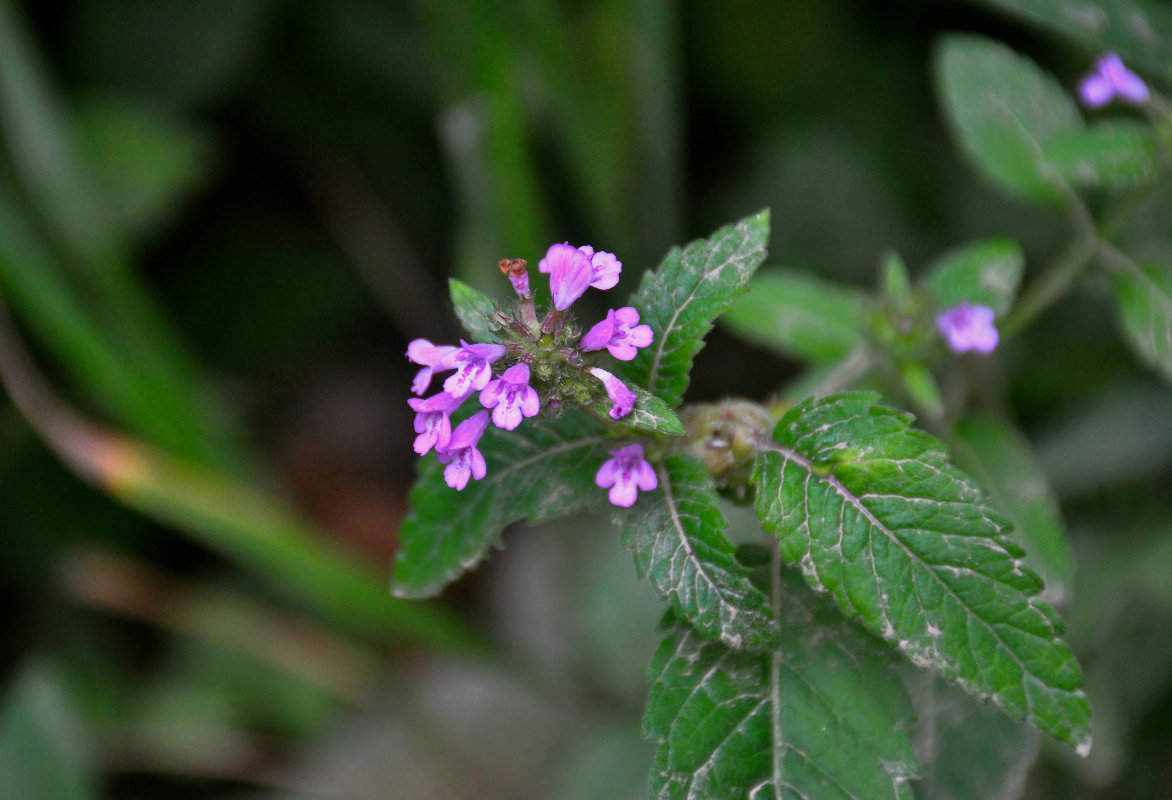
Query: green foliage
x=983, y=273
x=537, y=472
x=684, y=296
x=650, y=414
x=822, y=715
x=474, y=310
x=876, y=516
x=1116, y=155
x=1004, y=111
x=1145, y=310
x=677, y=536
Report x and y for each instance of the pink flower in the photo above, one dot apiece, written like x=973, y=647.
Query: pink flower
x=472, y=364
x=1112, y=80
x=569, y=274
x=604, y=268
x=968, y=327
x=511, y=397
x=625, y=472
x=622, y=397
x=515, y=270
x=432, y=420
x=463, y=460
x=434, y=358
x=619, y=333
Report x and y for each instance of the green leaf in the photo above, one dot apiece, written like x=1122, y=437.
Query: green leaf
x=1117, y=155
x=1145, y=311
x=676, y=533
x=474, y=309
x=1004, y=110
x=538, y=471
x=998, y=456
x=973, y=751
x=1140, y=31
x=650, y=413
x=799, y=315
x=875, y=515
x=822, y=716
x=682, y=299
x=984, y=273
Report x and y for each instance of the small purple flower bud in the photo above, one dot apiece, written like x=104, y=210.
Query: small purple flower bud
x=472, y=364
x=511, y=397
x=622, y=397
x=463, y=460
x=619, y=333
x=432, y=420
x=625, y=472
x=1112, y=80
x=434, y=358
x=569, y=274
x=968, y=327
x=515, y=269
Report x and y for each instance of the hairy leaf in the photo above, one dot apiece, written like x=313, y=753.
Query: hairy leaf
x=823, y=715
x=1117, y=155
x=683, y=297
x=799, y=315
x=649, y=414
x=538, y=471
x=875, y=515
x=1145, y=308
x=474, y=310
x=984, y=273
x=1004, y=109
x=677, y=536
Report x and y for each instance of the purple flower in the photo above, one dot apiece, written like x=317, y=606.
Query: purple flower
x=625, y=472
x=1112, y=80
x=515, y=269
x=968, y=327
x=511, y=397
x=472, y=364
x=622, y=397
x=569, y=274
x=619, y=333
x=433, y=358
x=463, y=460
x=604, y=268
x=432, y=420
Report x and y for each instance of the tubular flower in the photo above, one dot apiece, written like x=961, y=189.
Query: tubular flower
x=622, y=397
x=434, y=358
x=968, y=327
x=619, y=333
x=515, y=270
x=1111, y=80
x=463, y=460
x=570, y=274
x=625, y=472
x=432, y=420
x=604, y=268
x=472, y=364
x=511, y=397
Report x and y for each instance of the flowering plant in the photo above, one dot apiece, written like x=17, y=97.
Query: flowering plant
x=775, y=676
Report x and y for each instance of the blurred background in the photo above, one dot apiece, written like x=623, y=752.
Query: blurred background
x=221, y=221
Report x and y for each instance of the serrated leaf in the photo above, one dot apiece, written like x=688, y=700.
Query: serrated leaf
x=676, y=534
x=822, y=716
x=1117, y=155
x=537, y=472
x=876, y=515
x=799, y=315
x=999, y=456
x=1004, y=110
x=969, y=750
x=1145, y=311
x=683, y=297
x=650, y=413
x=474, y=309
x=984, y=273
x=1138, y=30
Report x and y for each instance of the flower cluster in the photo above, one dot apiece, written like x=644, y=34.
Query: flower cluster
x=533, y=365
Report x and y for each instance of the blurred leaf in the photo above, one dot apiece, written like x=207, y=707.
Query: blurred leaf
x=971, y=750
x=42, y=749
x=799, y=315
x=1145, y=308
x=876, y=516
x=1004, y=110
x=677, y=536
x=1116, y=155
x=1138, y=30
x=683, y=297
x=824, y=715
x=1000, y=457
x=922, y=389
x=539, y=471
x=985, y=273
x=474, y=310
